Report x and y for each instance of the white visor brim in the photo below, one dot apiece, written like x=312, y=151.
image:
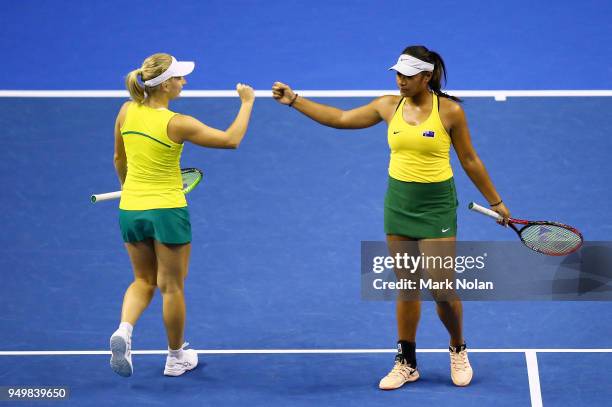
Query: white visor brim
x=408, y=65
x=184, y=68
x=405, y=70
x=175, y=69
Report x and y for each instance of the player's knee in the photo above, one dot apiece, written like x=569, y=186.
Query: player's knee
x=170, y=288
x=147, y=282
x=444, y=298
x=169, y=284
x=448, y=301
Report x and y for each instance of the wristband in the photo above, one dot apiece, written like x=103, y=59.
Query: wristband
x=293, y=100
x=496, y=203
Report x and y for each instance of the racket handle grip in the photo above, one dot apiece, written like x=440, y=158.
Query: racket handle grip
x=105, y=197
x=484, y=211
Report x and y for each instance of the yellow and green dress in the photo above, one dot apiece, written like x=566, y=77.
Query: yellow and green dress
x=153, y=205
x=421, y=200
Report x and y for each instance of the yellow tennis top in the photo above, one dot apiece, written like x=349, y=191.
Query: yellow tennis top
x=153, y=161
x=419, y=153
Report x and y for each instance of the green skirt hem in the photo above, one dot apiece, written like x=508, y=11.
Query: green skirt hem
x=421, y=210
x=167, y=225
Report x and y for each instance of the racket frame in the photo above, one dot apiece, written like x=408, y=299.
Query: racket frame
x=117, y=194
x=512, y=222
x=190, y=187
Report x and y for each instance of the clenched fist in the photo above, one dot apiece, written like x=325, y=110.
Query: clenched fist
x=283, y=93
x=245, y=92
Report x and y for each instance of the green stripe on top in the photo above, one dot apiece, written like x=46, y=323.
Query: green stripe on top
x=146, y=135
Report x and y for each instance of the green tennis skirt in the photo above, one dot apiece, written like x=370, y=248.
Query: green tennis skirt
x=421, y=210
x=169, y=225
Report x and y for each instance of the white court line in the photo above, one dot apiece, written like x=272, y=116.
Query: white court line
x=499, y=95
x=534, y=379
x=291, y=351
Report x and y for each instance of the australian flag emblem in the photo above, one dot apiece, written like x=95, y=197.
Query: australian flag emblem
x=428, y=133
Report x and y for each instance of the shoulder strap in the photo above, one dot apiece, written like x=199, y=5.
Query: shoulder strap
x=398, y=105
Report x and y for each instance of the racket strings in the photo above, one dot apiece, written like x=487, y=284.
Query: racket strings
x=190, y=178
x=551, y=239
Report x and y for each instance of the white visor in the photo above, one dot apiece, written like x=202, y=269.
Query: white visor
x=409, y=66
x=176, y=68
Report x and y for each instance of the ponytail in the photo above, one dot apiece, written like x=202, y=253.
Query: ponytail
x=137, y=92
x=439, y=72
x=152, y=67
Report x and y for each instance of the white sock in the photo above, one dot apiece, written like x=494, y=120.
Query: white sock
x=176, y=353
x=127, y=326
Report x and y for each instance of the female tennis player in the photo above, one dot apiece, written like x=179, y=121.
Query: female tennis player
x=153, y=214
x=421, y=202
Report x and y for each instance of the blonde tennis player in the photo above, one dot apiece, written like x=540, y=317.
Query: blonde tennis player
x=421, y=201
x=153, y=213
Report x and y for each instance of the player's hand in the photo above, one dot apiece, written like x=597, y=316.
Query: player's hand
x=246, y=93
x=282, y=93
x=503, y=211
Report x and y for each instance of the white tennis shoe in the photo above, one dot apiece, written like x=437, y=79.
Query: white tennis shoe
x=401, y=374
x=121, y=353
x=461, y=371
x=176, y=366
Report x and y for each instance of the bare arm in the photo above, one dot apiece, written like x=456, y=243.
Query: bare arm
x=186, y=128
x=119, y=157
x=359, y=118
x=470, y=161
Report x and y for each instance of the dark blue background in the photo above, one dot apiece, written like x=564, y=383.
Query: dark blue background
x=342, y=44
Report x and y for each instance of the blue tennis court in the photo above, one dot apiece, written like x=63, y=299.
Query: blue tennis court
x=274, y=302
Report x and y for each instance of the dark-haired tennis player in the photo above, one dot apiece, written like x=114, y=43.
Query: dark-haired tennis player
x=153, y=212
x=421, y=202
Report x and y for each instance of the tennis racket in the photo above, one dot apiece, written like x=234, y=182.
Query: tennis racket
x=191, y=178
x=551, y=238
